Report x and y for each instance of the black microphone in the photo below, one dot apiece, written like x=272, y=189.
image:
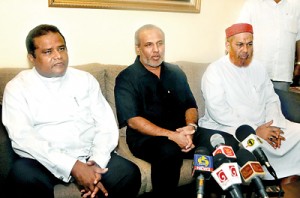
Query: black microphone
x=247, y=136
x=202, y=168
x=251, y=170
x=227, y=175
x=218, y=142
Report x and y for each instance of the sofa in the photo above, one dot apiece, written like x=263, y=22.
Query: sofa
x=106, y=74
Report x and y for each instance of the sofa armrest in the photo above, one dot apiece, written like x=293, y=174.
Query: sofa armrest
x=7, y=156
x=144, y=166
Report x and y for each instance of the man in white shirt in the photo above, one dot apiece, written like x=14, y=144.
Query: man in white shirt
x=238, y=91
x=276, y=24
x=62, y=127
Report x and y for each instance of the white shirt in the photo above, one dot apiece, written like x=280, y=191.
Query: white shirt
x=238, y=95
x=59, y=120
x=276, y=29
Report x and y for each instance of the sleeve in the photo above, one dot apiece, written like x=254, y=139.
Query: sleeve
x=298, y=25
x=126, y=100
x=273, y=105
x=107, y=133
x=25, y=141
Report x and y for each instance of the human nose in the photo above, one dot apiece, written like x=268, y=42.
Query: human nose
x=156, y=48
x=245, y=48
x=56, y=54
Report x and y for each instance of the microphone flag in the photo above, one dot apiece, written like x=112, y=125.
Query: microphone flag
x=226, y=150
x=203, y=163
x=250, y=169
x=218, y=142
x=251, y=142
x=227, y=173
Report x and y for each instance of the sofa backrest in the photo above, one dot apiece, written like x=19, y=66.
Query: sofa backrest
x=106, y=75
x=194, y=72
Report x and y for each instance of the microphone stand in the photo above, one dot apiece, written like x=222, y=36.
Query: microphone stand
x=200, y=186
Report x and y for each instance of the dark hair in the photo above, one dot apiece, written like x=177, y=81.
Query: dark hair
x=38, y=31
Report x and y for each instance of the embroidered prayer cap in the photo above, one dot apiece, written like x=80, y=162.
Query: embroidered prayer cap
x=238, y=28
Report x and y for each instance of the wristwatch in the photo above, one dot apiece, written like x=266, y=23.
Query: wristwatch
x=193, y=125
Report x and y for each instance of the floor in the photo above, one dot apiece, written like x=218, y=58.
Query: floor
x=292, y=190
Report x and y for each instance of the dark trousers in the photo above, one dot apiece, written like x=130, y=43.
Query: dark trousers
x=166, y=159
x=205, y=135
x=31, y=179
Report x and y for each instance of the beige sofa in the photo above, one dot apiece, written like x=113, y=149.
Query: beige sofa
x=106, y=75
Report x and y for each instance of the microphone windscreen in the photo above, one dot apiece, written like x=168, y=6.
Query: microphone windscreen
x=243, y=156
x=243, y=131
x=202, y=150
x=216, y=139
x=220, y=159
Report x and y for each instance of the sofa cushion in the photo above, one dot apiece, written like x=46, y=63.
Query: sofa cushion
x=110, y=76
x=194, y=72
x=69, y=190
x=6, y=74
x=290, y=104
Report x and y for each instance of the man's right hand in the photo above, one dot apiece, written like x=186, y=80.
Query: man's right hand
x=88, y=175
x=183, y=137
x=271, y=134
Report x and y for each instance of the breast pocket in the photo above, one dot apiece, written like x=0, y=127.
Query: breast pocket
x=290, y=24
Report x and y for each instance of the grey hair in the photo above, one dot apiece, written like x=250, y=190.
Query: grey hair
x=145, y=27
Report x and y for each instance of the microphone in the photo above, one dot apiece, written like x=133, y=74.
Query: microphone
x=246, y=135
x=218, y=142
x=227, y=175
x=251, y=170
x=202, y=168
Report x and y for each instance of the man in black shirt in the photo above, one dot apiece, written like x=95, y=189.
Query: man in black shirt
x=154, y=101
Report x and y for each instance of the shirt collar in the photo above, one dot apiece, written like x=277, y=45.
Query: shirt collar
x=142, y=67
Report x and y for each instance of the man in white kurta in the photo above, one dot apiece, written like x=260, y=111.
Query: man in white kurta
x=243, y=94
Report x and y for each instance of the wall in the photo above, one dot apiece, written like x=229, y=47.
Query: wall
x=106, y=36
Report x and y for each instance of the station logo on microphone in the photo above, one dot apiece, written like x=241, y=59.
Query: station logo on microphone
x=203, y=162
x=251, y=142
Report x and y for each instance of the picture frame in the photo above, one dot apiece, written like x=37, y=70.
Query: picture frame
x=187, y=6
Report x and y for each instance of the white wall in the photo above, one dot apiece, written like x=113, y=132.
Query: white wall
x=106, y=36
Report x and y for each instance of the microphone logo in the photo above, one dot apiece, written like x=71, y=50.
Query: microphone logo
x=233, y=171
x=257, y=167
x=250, y=142
x=203, y=162
x=226, y=150
x=222, y=176
x=250, y=169
x=247, y=172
